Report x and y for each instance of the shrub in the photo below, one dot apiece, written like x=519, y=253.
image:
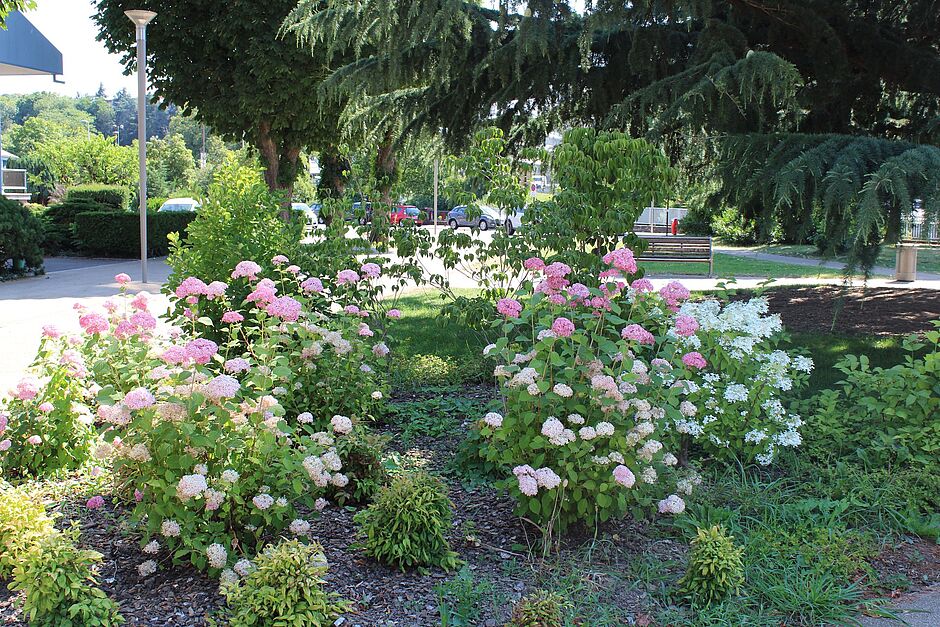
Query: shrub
x=60, y=585
x=731, y=227
x=23, y=521
x=361, y=453
x=153, y=204
x=46, y=425
x=114, y=197
x=118, y=234
x=542, y=609
x=885, y=416
x=21, y=237
x=59, y=220
x=715, y=566
x=406, y=524
x=285, y=586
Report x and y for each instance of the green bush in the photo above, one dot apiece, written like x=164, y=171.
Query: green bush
x=114, y=197
x=23, y=521
x=542, y=609
x=153, y=204
x=361, y=453
x=715, y=566
x=60, y=585
x=884, y=416
x=118, y=234
x=406, y=524
x=730, y=226
x=21, y=236
x=59, y=220
x=284, y=587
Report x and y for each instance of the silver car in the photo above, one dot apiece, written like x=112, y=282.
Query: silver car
x=489, y=217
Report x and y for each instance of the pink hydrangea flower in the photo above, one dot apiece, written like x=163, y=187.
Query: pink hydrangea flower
x=51, y=331
x=4, y=420
x=201, y=350
x=191, y=286
x=364, y=330
x=279, y=260
x=686, y=326
x=95, y=502
x=248, y=269
x=27, y=388
x=312, y=285
x=694, y=360
x=642, y=285
x=528, y=485
x=394, y=314
x=285, y=308
x=216, y=289
x=93, y=323
x=579, y=291
x=346, y=276
x=265, y=292
x=231, y=317
x=237, y=364
x=222, y=386
x=674, y=292
x=46, y=407
x=122, y=278
x=352, y=310
x=672, y=504
x=138, y=398
x=5, y=445
x=557, y=299
x=622, y=259
x=144, y=320
x=563, y=327
x=557, y=270
x=638, y=334
x=371, y=270
x=34, y=440
x=509, y=307
x=140, y=302
x=174, y=355
x=533, y=263
x=624, y=476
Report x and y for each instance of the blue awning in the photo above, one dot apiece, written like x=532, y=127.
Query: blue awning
x=24, y=50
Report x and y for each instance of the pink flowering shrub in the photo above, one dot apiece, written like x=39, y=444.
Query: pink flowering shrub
x=584, y=403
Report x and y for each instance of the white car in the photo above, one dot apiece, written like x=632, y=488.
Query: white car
x=513, y=219
x=179, y=205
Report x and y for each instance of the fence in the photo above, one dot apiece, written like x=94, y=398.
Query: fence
x=920, y=232
x=658, y=219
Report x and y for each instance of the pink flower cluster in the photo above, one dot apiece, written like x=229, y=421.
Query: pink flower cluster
x=672, y=504
x=624, y=476
x=622, y=259
x=694, y=360
x=285, y=308
x=265, y=292
x=138, y=398
x=370, y=270
x=673, y=293
x=509, y=307
x=563, y=327
x=27, y=388
x=247, y=269
x=686, y=326
x=93, y=323
x=347, y=276
x=312, y=286
x=530, y=480
x=638, y=334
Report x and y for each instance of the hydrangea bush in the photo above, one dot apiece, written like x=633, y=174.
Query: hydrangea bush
x=603, y=387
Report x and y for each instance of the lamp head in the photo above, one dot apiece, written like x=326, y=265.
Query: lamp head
x=140, y=17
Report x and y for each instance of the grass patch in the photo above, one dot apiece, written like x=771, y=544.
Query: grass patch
x=827, y=349
x=727, y=266
x=928, y=259
x=432, y=417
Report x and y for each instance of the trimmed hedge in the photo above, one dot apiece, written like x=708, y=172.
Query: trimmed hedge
x=113, y=196
x=110, y=234
x=21, y=237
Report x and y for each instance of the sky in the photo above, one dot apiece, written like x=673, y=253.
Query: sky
x=86, y=63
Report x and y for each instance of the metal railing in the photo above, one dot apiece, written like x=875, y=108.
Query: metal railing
x=658, y=219
x=920, y=232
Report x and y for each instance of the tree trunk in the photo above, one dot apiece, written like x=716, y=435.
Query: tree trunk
x=334, y=175
x=386, y=170
x=280, y=159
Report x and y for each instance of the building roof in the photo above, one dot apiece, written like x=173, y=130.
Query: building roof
x=7, y=155
x=25, y=51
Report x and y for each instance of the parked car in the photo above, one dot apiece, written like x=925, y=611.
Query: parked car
x=405, y=212
x=311, y=213
x=513, y=219
x=179, y=205
x=489, y=217
x=359, y=214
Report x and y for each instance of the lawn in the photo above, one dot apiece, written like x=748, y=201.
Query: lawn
x=928, y=258
x=727, y=266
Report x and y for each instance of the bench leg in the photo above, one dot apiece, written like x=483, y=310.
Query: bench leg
x=711, y=267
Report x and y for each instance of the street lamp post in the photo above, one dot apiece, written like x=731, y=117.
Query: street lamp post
x=140, y=19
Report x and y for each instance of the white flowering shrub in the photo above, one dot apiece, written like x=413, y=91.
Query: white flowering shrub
x=587, y=391
x=740, y=395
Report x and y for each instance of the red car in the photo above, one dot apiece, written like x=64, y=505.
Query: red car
x=404, y=212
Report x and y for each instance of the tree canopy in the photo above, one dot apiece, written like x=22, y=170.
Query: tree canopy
x=222, y=61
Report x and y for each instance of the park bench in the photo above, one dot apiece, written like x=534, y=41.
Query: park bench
x=681, y=248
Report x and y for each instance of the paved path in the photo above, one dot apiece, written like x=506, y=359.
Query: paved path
x=816, y=263
x=917, y=610
x=28, y=304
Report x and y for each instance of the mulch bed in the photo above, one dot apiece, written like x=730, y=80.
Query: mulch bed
x=856, y=310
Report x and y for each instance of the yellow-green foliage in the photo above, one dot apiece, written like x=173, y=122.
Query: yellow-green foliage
x=715, y=566
x=406, y=524
x=59, y=581
x=542, y=609
x=285, y=587
x=23, y=521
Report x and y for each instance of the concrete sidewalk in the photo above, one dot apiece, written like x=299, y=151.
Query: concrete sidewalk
x=26, y=305
x=916, y=610
x=815, y=263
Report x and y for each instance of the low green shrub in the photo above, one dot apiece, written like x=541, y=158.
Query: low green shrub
x=406, y=524
x=114, y=197
x=21, y=236
x=884, y=416
x=731, y=227
x=59, y=582
x=542, y=609
x=715, y=566
x=23, y=521
x=118, y=234
x=361, y=453
x=284, y=587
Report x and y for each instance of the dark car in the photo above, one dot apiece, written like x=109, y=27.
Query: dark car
x=489, y=217
x=360, y=214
